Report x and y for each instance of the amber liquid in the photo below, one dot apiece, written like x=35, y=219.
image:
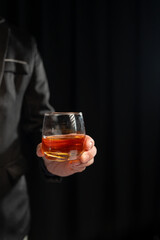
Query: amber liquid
x=63, y=147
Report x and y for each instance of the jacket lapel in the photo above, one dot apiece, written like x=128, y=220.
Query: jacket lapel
x=4, y=36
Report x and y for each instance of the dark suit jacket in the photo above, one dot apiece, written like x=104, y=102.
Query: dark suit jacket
x=24, y=98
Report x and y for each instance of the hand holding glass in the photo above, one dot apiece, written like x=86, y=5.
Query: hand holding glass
x=63, y=136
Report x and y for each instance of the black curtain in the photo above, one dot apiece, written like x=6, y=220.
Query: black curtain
x=101, y=58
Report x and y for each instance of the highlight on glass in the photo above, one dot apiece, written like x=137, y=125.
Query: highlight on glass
x=63, y=136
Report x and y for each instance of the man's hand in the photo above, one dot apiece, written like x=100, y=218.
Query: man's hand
x=67, y=168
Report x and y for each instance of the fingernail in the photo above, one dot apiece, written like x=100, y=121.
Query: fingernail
x=90, y=144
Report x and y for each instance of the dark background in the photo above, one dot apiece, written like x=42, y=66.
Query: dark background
x=101, y=58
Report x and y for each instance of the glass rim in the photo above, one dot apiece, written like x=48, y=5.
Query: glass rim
x=62, y=113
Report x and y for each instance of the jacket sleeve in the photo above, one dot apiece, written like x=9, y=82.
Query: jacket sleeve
x=35, y=104
x=36, y=98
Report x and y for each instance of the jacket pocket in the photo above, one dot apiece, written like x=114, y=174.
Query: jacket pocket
x=16, y=66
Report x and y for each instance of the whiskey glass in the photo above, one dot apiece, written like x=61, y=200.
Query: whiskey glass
x=63, y=136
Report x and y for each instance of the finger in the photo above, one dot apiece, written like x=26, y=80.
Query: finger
x=79, y=168
x=89, y=143
x=90, y=162
x=88, y=155
x=39, y=151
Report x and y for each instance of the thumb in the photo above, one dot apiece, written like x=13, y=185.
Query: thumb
x=39, y=150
